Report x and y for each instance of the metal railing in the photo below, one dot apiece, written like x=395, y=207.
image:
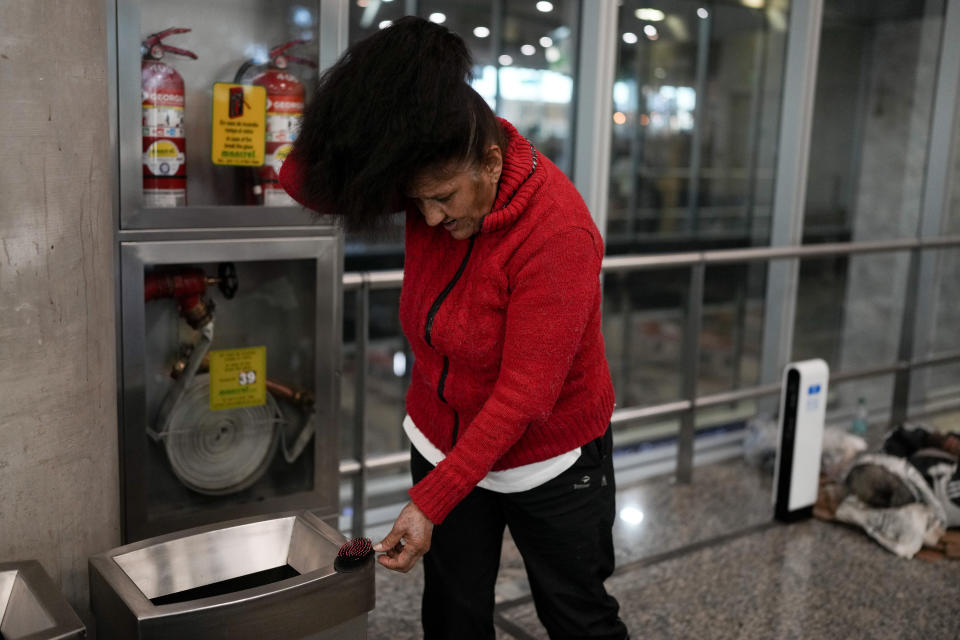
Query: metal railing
x=686, y=408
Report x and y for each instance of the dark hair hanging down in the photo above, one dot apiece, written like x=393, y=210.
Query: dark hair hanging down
x=395, y=104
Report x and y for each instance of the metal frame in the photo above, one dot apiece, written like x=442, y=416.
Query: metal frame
x=594, y=97
x=359, y=467
x=796, y=122
x=325, y=245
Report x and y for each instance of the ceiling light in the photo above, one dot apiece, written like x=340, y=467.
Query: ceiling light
x=650, y=31
x=528, y=49
x=505, y=60
x=481, y=32
x=619, y=117
x=546, y=42
x=552, y=54
x=385, y=24
x=650, y=15
x=702, y=13
x=544, y=6
x=438, y=17
x=630, y=38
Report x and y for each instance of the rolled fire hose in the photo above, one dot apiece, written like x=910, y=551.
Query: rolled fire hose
x=219, y=452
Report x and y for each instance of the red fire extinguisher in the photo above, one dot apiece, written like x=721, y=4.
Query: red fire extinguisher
x=285, y=98
x=164, y=142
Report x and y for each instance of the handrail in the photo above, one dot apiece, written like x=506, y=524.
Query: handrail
x=365, y=281
x=352, y=466
x=614, y=264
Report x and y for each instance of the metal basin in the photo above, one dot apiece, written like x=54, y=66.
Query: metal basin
x=31, y=606
x=262, y=577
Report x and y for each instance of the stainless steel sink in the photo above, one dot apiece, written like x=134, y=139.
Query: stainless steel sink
x=262, y=577
x=31, y=606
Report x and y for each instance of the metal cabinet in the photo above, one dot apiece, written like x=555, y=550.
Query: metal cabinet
x=229, y=293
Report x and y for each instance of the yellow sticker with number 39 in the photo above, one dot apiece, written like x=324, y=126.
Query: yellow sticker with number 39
x=238, y=378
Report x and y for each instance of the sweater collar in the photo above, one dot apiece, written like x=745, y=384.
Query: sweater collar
x=523, y=173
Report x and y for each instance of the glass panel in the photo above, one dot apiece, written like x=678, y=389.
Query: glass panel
x=525, y=66
x=940, y=406
x=732, y=327
x=876, y=393
x=211, y=443
x=697, y=100
x=941, y=383
x=205, y=145
x=389, y=362
x=849, y=311
x=946, y=318
x=871, y=123
x=643, y=321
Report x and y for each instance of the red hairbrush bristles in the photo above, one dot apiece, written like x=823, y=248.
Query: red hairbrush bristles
x=352, y=553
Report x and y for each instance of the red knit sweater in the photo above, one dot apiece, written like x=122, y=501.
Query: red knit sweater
x=509, y=363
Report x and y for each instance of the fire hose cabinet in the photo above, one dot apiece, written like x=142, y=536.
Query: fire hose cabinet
x=230, y=343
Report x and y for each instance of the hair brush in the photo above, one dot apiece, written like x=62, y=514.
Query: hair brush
x=352, y=553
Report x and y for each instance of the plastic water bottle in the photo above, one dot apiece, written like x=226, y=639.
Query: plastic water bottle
x=859, y=424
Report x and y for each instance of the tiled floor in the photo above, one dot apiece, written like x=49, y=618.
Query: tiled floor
x=706, y=562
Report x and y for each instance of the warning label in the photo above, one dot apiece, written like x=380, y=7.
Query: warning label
x=239, y=124
x=238, y=378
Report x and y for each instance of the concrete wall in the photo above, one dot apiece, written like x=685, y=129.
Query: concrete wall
x=59, y=496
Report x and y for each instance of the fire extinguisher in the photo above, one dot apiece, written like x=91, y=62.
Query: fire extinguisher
x=164, y=142
x=285, y=99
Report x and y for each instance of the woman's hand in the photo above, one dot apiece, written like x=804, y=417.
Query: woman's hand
x=407, y=541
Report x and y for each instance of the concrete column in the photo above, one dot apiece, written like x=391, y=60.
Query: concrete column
x=59, y=496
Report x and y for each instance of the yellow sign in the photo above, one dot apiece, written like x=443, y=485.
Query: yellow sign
x=239, y=124
x=238, y=378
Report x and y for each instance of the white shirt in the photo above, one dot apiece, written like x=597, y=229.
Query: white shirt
x=512, y=480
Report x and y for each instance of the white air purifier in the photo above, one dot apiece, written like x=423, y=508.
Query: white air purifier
x=803, y=406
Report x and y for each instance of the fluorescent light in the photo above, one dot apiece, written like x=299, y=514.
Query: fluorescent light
x=438, y=17
x=544, y=7
x=481, y=32
x=528, y=49
x=630, y=38
x=546, y=42
x=650, y=15
x=505, y=60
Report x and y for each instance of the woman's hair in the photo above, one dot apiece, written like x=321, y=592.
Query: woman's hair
x=396, y=104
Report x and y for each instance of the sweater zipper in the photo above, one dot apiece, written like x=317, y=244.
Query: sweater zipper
x=434, y=308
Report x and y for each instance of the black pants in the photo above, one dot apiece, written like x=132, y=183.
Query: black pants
x=563, y=531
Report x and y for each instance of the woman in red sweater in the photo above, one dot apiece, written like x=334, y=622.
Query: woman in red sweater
x=510, y=399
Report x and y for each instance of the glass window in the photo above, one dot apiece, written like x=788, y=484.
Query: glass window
x=849, y=311
x=644, y=314
x=525, y=56
x=876, y=80
x=222, y=96
x=696, y=103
